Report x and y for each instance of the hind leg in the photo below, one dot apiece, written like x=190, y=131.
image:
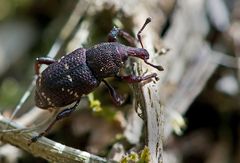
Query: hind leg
x=42, y=60
x=63, y=114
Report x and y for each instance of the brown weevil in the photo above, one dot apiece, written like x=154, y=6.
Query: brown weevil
x=80, y=72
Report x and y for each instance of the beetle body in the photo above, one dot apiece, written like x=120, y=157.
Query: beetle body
x=79, y=72
x=64, y=81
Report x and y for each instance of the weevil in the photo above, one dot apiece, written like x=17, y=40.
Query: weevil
x=80, y=72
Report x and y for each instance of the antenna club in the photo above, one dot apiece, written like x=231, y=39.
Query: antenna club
x=148, y=20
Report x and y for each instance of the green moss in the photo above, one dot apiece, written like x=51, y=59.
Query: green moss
x=142, y=157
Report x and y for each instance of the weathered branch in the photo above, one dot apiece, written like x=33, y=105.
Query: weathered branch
x=45, y=148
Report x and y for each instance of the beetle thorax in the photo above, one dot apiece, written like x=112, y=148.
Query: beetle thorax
x=104, y=59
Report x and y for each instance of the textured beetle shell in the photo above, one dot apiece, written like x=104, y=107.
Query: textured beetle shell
x=65, y=81
x=105, y=59
x=80, y=72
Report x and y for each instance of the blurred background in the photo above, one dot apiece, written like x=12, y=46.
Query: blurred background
x=211, y=128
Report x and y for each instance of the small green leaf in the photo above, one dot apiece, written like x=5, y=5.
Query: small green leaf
x=94, y=104
x=145, y=155
x=132, y=157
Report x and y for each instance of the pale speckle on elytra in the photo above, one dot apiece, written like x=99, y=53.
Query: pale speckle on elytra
x=66, y=66
x=43, y=93
x=69, y=78
x=60, y=59
x=75, y=94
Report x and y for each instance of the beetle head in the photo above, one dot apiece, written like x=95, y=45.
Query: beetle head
x=143, y=54
x=138, y=52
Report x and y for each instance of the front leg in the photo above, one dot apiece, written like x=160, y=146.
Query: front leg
x=118, y=99
x=115, y=32
x=42, y=60
x=137, y=79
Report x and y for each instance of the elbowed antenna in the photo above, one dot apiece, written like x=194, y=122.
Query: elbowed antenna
x=148, y=20
x=144, y=55
x=158, y=67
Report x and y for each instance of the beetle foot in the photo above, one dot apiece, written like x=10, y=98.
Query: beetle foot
x=118, y=99
x=34, y=139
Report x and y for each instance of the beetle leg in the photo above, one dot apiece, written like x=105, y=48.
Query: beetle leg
x=131, y=40
x=136, y=79
x=115, y=32
x=112, y=36
x=117, y=98
x=65, y=113
x=42, y=60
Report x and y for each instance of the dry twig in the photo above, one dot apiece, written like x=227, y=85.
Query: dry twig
x=45, y=148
